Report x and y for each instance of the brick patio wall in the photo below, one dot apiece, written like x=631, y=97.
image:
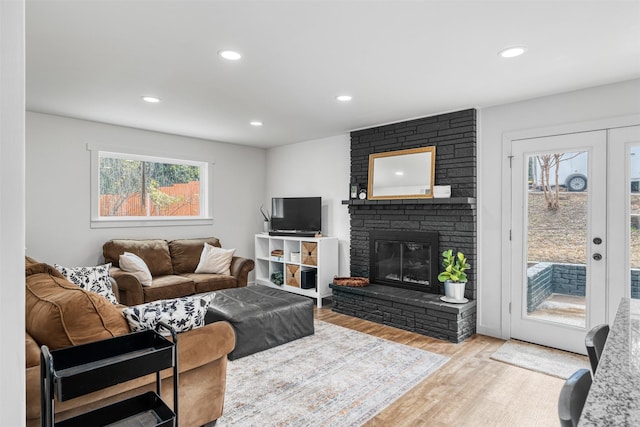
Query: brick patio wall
x=545, y=278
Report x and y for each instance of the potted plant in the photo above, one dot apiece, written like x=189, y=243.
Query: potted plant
x=454, y=276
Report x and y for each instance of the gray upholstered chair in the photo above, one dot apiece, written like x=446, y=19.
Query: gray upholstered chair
x=594, y=341
x=572, y=397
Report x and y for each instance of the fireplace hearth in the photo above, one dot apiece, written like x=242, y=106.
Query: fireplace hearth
x=404, y=259
x=420, y=312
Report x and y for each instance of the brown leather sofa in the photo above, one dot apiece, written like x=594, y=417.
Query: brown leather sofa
x=60, y=314
x=172, y=265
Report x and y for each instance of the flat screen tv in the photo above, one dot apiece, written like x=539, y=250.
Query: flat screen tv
x=296, y=214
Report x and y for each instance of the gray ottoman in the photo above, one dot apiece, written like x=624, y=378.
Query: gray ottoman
x=262, y=317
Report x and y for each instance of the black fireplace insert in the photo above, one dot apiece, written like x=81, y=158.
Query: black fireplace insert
x=404, y=259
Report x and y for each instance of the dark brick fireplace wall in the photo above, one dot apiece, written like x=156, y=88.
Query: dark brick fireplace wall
x=454, y=136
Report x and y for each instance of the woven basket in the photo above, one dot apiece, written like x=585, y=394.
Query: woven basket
x=351, y=281
x=293, y=275
x=310, y=253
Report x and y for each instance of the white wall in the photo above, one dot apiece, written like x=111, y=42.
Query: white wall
x=12, y=101
x=324, y=171
x=58, y=188
x=593, y=104
x=316, y=168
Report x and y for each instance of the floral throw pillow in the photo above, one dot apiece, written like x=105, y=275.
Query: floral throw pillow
x=94, y=279
x=182, y=314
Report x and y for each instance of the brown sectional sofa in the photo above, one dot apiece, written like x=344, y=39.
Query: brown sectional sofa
x=60, y=314
x=172, y=265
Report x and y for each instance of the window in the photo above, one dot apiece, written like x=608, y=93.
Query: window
x=136, y=190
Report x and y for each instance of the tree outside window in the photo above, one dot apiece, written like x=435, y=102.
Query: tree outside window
x=137, y=186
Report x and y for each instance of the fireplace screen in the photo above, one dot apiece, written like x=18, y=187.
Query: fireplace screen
x=405, y=259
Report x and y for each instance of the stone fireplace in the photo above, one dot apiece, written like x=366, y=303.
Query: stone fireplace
x=404, y=292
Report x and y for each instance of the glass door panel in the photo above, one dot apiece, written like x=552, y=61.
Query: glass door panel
x=557, y=205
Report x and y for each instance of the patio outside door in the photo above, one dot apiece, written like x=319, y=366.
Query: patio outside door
x=559, y=241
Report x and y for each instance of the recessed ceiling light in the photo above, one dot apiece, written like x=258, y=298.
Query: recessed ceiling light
x=231, y=55
x=512, y=52
x=151, y=99
x=256, y=123
x=344, y=98
x=399, y=173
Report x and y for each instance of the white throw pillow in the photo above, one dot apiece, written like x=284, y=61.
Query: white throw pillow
x=182, y=314
x=132, y=263
x=94, y=279
x=215, y=260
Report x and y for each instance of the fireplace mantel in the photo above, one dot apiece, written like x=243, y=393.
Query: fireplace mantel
x=471, y=201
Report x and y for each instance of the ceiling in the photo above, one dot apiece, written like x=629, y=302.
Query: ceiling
x=398, y=59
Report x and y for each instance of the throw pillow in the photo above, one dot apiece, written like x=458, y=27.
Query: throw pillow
x=132, y=263
x=93, y=279
x=183, y=314
x=215, y=260
x=60, y=313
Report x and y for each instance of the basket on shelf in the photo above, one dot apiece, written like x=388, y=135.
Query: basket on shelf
x=351, y=281
x=293, y=275
x=310, y=253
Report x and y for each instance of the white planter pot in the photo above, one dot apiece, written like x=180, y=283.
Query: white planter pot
x=266, y=226
x=454, y=290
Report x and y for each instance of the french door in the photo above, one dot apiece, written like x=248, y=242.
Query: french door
x=559, y=238
x=624, y=213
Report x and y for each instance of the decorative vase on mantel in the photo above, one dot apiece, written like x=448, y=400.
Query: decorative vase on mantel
x=454, y=290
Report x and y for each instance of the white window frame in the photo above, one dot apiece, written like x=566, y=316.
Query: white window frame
x=206, y=186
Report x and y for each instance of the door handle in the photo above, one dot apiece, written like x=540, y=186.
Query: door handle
x=597, y=257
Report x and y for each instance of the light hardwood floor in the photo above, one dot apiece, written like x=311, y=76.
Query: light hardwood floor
x=469, y=390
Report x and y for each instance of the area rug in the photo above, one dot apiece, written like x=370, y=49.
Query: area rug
x=336, y=377
x=541, y=359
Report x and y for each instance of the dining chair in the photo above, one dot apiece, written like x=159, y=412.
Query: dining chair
x=594, y=341
x=572, y=397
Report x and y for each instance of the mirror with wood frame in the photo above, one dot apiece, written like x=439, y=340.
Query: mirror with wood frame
x=403, y=174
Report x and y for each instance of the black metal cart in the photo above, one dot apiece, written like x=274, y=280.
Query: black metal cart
x=74, y=371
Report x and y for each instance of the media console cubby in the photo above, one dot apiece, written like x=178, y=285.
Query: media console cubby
x=306, y=265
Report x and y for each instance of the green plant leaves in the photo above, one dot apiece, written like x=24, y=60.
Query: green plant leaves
x=454, y=267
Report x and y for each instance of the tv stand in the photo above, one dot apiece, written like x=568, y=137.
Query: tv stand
x=293, y=233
